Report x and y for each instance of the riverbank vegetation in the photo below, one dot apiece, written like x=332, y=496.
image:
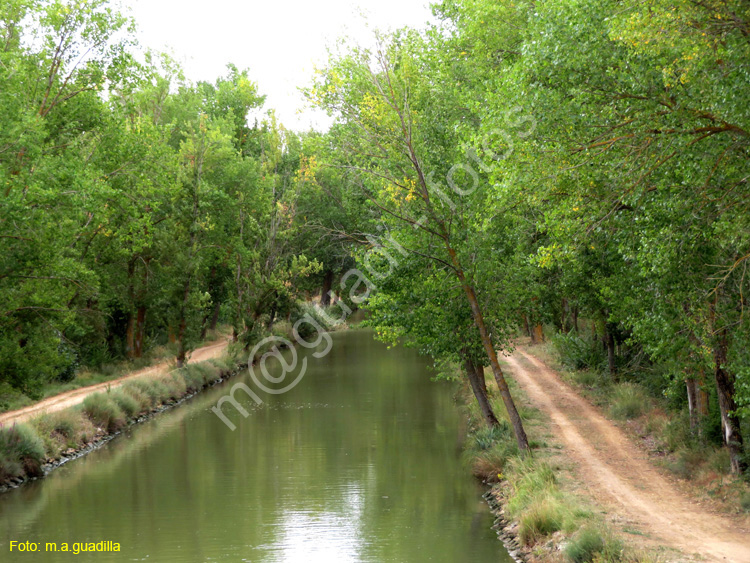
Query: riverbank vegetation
x=655, y=420
x=26, y=447
x=575, y=164
x=537, y=497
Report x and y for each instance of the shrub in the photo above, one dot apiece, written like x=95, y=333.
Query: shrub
x=127, y=403
x=489, y=465
x=628, y=401
x=154, y=389
x=66, y=423
x=21, y=450
x=284, y=329
x=541, y=518
x=104, y=412
x=591, y=545
x=192, y=378
x=578, y=353
x=175, y=387
x=676, y=433
x=212, y=370
x=29, y=443
x=588, y=378
x=745, y=501
x=326, y=318
x=139, y=395
x=57, y=430
x=12, y=398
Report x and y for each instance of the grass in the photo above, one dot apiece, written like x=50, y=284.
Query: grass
x=21, y=452
x=103, y=411
x=592, y=545
x=538, y=503
x=628, y=402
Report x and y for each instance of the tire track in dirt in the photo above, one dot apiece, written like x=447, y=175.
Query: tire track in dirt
x=620, y=477
x=76, y=396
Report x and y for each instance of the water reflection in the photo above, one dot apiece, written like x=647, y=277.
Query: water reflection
x=360, y=462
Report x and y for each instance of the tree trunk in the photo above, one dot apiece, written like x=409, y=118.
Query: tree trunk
x=480, y=377
x=497, y=372
x=480, y=391
x=564, y=316
x=271, y=317
x=537, y=337
x=130, y=337
x=215, y=316
x=692, y=398
x=325, y=293
x=610, y=341
x=526, y=327
x=574, y=314
x=702, y=401
x=727, y=406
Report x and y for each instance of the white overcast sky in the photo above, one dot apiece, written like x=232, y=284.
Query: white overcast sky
x=278, y=41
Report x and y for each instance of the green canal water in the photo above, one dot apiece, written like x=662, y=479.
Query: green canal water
x=359, y=462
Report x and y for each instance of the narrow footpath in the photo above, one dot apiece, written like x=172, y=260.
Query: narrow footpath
x=76, y=396
x=619, y=476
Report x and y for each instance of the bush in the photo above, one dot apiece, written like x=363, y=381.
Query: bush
x=21, y=450
x=676, y=433
x=139, y=395
x=541, y=518
x=489, y=465
x=128, y=404
x=175, y=387
x=68, y=423
x=192, y=377
x=588, y=378
x=104, y=412
x=58, y=430
x=591, y=545
x=628, y=401
x=154, y=389
x=326, y=318
x=578, y=353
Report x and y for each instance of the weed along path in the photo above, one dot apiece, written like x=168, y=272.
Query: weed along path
x=620, y=477
x=76, y=396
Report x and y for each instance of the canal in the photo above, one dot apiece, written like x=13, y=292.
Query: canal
x=361, y=461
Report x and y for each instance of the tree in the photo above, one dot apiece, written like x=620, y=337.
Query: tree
x=385, y=100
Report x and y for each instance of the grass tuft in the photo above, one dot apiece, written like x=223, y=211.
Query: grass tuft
x=541, y=518
x=628, y=401
x=104, y=412
x=590, y=545
x=21, y=451
x=127, y=403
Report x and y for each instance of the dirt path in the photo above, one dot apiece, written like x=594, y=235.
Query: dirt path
x=620, y=477
x=76, y=396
